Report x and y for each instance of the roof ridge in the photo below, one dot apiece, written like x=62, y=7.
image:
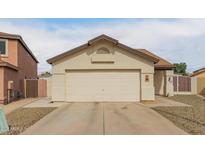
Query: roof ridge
x=94, y=40
x=103, y=36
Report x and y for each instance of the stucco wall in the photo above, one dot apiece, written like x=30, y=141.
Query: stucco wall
x=9, y=75
x=28, y=66
x=169, y=90
x=58, y=87
x=159, y=79
x=123, y=60
x=201, y=86
x=186, y=91
x=194, y=85
x=1, y=84
x=163, y=82
x=147, y=87
x=19, y=57
x=11, y=57
x=201, y=75
x=6, y=75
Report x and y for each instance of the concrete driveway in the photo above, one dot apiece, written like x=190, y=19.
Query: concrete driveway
x=104, y=118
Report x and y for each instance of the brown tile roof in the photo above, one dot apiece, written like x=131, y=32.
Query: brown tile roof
x=102, y=37
x=18, y=37
x=199, y=71
x=161, y=64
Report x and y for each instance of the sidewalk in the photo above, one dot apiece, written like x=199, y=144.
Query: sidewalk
x=17, y=104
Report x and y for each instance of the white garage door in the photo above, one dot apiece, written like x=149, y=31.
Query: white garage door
x=103, y=86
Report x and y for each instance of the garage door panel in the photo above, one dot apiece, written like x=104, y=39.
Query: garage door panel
x=103, y=86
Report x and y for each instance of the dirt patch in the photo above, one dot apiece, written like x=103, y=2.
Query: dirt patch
x=191, y=119
x=22, y=118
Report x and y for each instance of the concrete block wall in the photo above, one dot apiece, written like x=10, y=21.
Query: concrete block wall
x=193, y=87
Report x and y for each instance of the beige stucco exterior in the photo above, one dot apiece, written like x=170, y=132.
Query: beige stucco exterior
x=163, y=82
x=169, y=83
x=200, y=75
x=201, y=86
x=198, y=82
x=122, y=60
x=118, y=60
x=159, y=82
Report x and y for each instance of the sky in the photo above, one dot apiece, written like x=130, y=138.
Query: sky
x=176, y=40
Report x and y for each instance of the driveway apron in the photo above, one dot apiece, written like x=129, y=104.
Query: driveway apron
x=74, y=118
x=104, y=118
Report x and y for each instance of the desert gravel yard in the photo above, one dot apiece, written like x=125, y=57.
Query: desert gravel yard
x=191, y=119
x=22, y=118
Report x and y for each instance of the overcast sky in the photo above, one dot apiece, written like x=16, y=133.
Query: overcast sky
x=177, y=40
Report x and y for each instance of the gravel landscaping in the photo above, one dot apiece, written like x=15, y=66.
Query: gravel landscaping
x=22, y=118
x=191, y=119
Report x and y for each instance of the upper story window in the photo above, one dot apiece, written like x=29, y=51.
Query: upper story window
x=3, y=47
x=103, y=50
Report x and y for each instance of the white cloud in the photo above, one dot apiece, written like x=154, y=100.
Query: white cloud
x=176, y=40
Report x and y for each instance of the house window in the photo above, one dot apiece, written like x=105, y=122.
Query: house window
x=3, y=47
x=103, y=50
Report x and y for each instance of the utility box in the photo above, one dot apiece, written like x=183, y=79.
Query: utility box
x=10, y=85
x=3, y=122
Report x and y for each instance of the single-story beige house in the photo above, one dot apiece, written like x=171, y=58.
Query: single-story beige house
x=105, y=70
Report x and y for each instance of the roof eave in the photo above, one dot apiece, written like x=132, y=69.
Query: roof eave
x=141, y=54
x=74, y=50
x=18, y=37
x=164, y=67
x=197, y=73
x=103, y=37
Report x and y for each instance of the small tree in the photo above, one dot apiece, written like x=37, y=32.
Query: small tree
x=180, y=68
x=45, y=74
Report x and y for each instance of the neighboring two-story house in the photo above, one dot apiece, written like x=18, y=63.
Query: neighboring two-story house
x=17, y=63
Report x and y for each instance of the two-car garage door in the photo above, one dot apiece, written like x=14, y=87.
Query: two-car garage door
x=102, y=86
